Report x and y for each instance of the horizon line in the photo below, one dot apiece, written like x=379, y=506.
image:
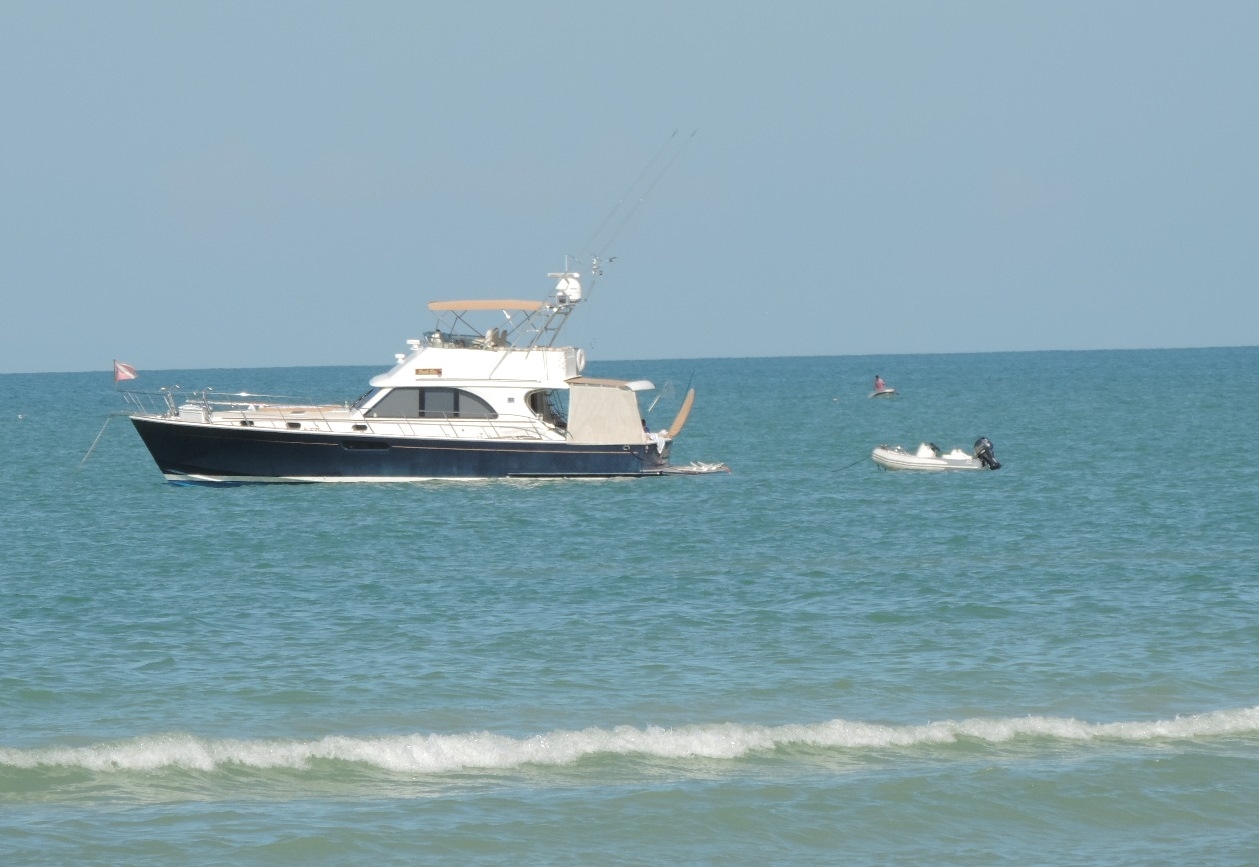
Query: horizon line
x=678, y=358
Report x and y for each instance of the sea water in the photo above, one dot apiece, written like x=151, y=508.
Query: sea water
x=809, y=660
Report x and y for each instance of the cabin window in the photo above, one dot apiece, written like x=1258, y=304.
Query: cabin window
x=438, y=402
x=431, y=403
x=399, y=403
x=453, y=403
x=550, y=407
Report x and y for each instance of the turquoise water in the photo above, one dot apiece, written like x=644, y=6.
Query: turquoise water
x=809, y=660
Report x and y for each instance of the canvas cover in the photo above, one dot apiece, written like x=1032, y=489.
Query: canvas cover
x=603, y=412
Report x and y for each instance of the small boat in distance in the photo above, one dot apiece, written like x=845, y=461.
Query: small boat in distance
x=881, y=388
x=928, y=457
x=465, y=402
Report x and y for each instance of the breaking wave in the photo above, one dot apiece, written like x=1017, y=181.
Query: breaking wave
x=447, y=753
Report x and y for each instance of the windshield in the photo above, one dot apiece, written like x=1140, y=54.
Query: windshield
x=364, y=398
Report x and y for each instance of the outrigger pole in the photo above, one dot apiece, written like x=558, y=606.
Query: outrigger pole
x=598, y=256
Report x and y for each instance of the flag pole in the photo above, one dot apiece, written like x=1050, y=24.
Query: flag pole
x=122, y=370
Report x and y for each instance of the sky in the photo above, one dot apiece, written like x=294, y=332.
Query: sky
x=258, y=184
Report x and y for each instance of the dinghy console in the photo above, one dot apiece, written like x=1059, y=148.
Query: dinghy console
x=983, y=451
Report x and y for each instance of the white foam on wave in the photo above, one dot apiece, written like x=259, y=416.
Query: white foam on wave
x=435, y=754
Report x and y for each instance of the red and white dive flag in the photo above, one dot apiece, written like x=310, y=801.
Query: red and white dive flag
x=123, y=371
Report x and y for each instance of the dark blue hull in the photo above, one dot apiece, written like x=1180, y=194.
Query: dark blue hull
x=249, y=454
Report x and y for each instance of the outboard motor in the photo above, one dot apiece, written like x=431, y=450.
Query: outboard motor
x=983, y=451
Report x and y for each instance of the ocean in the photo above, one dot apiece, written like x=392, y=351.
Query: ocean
x=809, y=660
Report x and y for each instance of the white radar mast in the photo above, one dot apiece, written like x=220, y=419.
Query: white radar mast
x=568, y=287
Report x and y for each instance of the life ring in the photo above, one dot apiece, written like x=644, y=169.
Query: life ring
x=581, y=360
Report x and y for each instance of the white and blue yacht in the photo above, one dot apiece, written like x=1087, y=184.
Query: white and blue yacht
x=463, y=402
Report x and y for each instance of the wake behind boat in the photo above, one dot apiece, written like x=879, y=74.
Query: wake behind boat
x=928, y=457
x=462, y=403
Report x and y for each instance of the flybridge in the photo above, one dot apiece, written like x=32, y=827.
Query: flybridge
x=527, y=325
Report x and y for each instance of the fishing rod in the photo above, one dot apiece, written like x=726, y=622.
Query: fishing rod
x=667, y=388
